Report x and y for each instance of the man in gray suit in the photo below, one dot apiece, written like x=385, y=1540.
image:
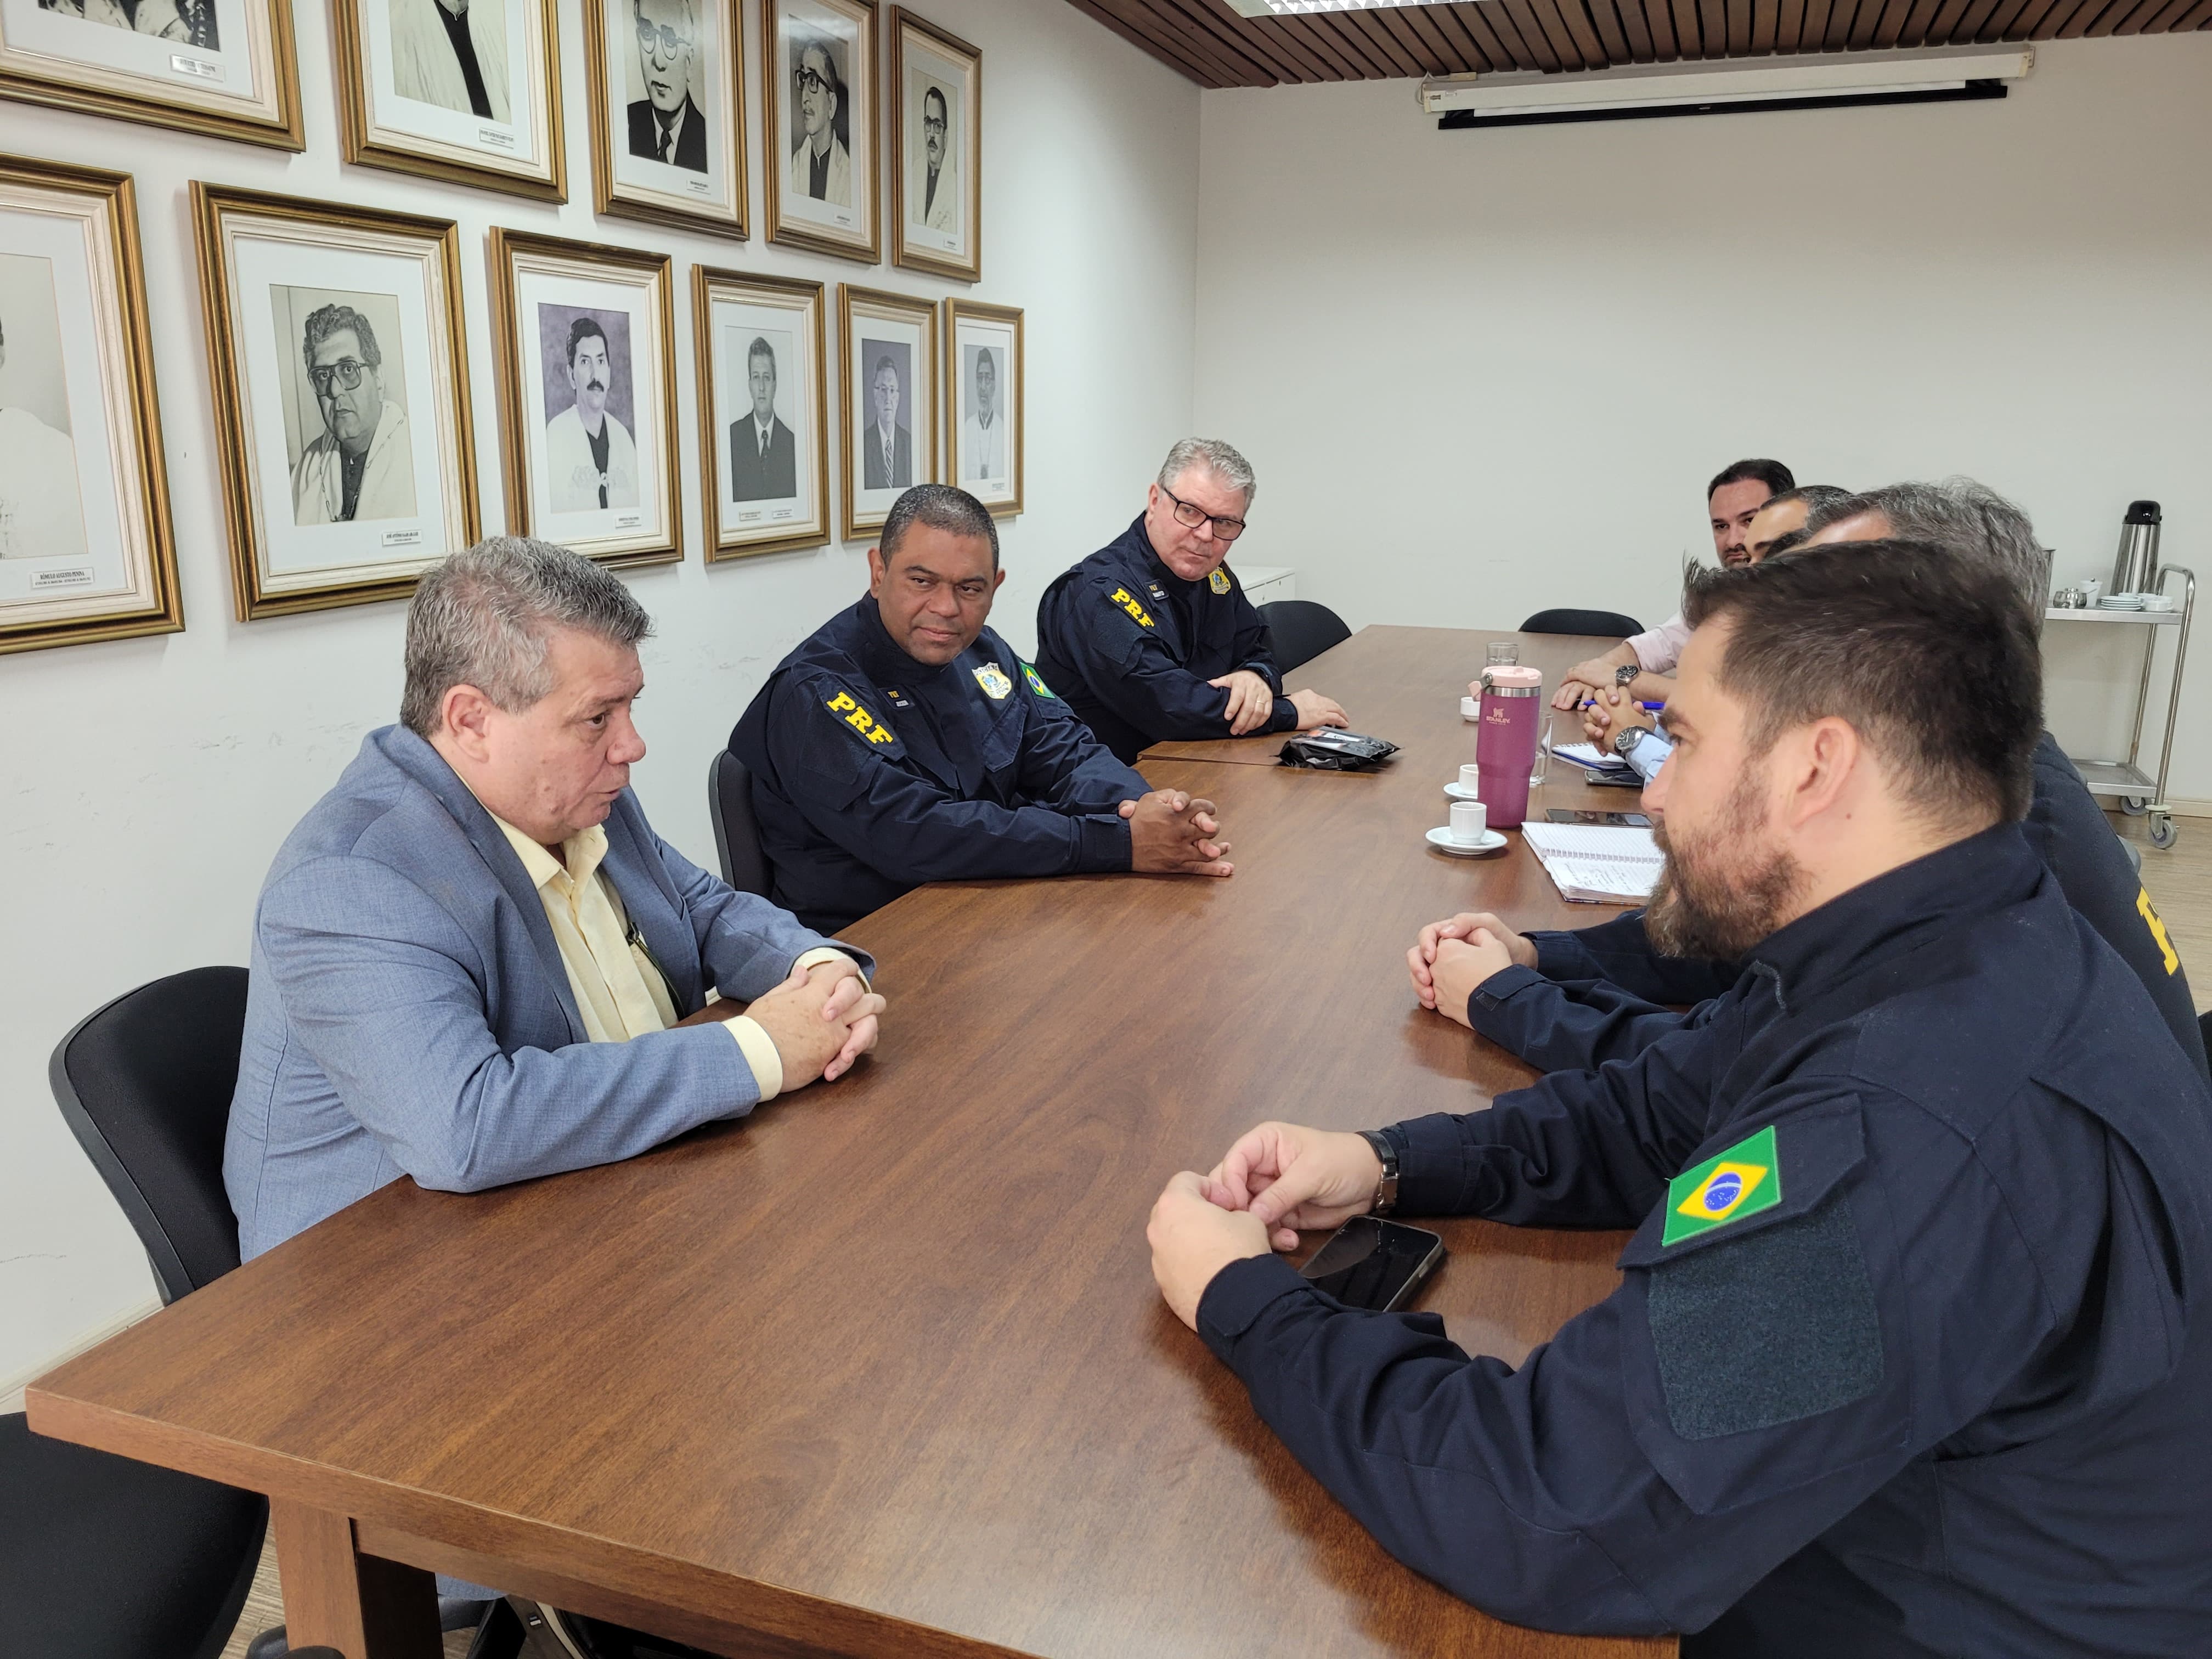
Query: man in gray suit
x=473, y=960
x=763, y=454
x=886, y=449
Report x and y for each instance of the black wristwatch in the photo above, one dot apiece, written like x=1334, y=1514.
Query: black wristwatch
x=1386, y=1189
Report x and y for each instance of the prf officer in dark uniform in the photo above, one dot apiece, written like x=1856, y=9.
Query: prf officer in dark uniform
x=906, y=743
x=1151, y=638
x=1912, y=1348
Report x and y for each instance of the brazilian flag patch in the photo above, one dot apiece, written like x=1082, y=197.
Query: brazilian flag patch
x=1036, y=681
x=1742, y=1180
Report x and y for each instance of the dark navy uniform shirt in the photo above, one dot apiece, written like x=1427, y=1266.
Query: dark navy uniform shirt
x=1913, y=1345
x=873, y=772
x=1599, y=993
x=1130, y=646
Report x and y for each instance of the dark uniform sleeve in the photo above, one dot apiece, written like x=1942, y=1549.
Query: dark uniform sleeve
x=1254, y=648
x=1063, y=765
x=911, y=829
x=1621, y=951
x=1743, y=1391
x=1576, y=1026
x=1115, y=645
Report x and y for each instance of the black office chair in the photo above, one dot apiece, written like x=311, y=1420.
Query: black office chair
x=737, y=831
x=1301, y=630
x=1610, y=622
x=116, y=1557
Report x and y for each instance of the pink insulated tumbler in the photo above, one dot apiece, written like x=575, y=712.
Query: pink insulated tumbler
x=1512, y=716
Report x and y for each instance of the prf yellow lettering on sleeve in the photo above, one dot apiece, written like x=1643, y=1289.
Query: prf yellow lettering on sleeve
x=2157, y=931
x=1121, y=598
x=860, y=719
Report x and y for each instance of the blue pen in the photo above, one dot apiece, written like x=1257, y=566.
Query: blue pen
x=1648, y=708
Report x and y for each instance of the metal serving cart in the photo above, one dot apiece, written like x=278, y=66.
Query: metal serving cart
x=2139, y=792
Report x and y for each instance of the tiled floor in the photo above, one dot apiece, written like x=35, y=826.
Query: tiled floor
x=2179, y=879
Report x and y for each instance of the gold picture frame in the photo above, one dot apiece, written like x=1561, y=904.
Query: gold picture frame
x=747, y=509
x=185, y=76
x=296, y=295
x=99, y=570
x=937, y=224
x=977, y=336
x=580, y=324
x=815, y=37
x=700, y=186
x=415, y=111
x=878, y=333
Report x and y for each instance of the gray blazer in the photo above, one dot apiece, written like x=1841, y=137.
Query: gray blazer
x=407, y=1012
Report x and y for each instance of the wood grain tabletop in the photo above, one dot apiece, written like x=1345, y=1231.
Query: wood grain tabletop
x=882, y=1371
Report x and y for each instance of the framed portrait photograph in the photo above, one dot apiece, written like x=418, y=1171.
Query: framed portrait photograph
x=984, y=404
x=890, y=400
x=337, y=347
x=937, y=152
x=668, y=111
x=818, y=64
x=585, y=338
x=463, y=90
x=223, y=68
x=85, y=548
x=764, y=419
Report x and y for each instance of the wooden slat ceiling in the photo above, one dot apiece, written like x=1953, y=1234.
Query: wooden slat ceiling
x=1212, y=46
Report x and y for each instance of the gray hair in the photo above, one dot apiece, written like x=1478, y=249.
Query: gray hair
x=1958, y=514
x=485, y=617
x=1217, y=457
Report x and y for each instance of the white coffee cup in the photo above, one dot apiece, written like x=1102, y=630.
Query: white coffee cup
x=1470, y=818
x=2094, y=588
x=1469, y=709
x=1470, y=778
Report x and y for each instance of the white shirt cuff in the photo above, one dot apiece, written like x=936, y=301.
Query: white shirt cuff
x=822, y=953
x=759, y=1050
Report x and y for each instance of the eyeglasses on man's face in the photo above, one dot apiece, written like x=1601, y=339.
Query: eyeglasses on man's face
x=1190, y=515
x=346, y=372
x=660, y=38
x=808, y=80
x=932, y=124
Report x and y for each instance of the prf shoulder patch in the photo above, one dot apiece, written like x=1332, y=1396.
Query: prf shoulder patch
x=847, y=708
x=1218, y=581
x=1742, y=1180
x=1036, y=681
x=1121, y=597
x=2173, y=958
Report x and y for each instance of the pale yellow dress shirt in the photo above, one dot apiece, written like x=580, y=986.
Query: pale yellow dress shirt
x=619, y=990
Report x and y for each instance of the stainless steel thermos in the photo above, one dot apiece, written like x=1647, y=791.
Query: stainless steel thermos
x=2135, y=570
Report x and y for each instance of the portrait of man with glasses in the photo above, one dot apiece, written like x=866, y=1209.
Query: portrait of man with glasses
x=665, y=125
x=821, y=162
x=933, y=189
x=362, y=465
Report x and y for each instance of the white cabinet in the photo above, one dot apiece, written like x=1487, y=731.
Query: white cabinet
x=1265, y=582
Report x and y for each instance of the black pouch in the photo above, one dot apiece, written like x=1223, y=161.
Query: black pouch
x=1330, y=750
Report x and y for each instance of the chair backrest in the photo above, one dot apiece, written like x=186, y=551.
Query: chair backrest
x=1301, y=630
x=1609, y=622
x=145, y=1085
x=737, y=831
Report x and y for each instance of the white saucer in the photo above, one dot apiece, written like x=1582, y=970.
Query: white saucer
x=1441, y=839
x=1459, y=791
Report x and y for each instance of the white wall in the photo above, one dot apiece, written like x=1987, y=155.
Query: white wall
x=147, y=783
x=1480, y=373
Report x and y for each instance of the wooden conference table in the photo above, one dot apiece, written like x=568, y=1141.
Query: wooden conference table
x=882, y=1372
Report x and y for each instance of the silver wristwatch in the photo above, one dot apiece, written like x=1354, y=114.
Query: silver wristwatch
x=1627, y=673
x=1624, y=739
x=1386, y=1188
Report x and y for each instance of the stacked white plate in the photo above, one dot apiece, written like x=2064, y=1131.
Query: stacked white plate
x=2120, y=602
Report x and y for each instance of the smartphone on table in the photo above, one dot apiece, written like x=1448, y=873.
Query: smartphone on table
x=1378, y=1265
x=1581, y=815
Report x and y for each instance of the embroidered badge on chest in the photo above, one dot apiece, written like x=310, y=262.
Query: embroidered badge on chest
x=992, y=678
x=1742, y=1180
x=1218, y=581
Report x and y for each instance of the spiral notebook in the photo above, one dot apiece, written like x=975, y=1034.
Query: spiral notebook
x=1595, y=864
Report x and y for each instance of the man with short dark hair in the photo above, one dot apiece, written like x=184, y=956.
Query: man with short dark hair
x=764, y=452
x=1638, y=663
x=821, y=166
x=591, y=459
x=665, y=125
x=1151, y=638
x=906, y=743
x=1909, y=1356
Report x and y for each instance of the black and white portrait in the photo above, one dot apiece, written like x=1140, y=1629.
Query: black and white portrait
x=591, y=457
x=886, y=437
x=938, y=82
x=667, y=124
x=345, y=405
x=933, y=166
x=41, y=510
x=764, y=448
x=983, y=448
x=183, y=22
x=821, y=118
x=983, y=401
x=453, y=53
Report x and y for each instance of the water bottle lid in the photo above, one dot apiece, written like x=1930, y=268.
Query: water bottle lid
x=2143, y=512
x=1511, y=675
